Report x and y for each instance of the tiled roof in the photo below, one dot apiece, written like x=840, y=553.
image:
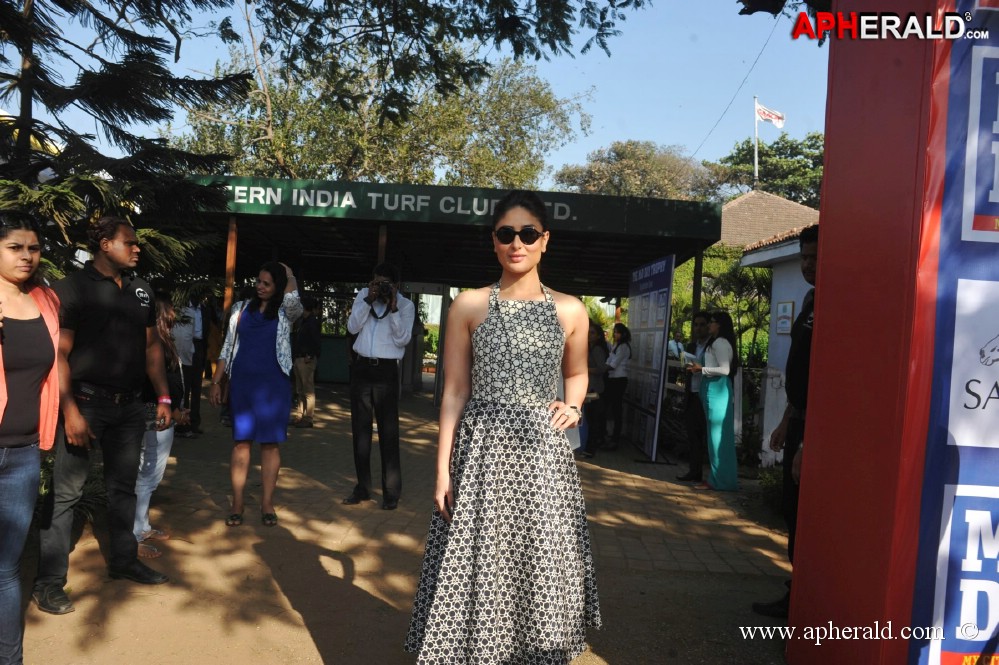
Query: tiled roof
x=758, y=216
x=783, y=236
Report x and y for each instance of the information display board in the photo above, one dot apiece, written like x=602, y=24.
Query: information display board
x=648, y=319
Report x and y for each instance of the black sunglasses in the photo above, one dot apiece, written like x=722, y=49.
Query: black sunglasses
x=528, y=235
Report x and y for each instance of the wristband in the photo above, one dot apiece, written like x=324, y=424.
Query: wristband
x=164, y=400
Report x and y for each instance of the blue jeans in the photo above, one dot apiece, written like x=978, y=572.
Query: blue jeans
x=119, y=429
x=152, y=464
x=19, y=469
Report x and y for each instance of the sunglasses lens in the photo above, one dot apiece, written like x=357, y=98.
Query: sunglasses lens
x=529, y=236
x=505, y=235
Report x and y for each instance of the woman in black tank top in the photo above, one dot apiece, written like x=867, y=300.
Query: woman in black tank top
x=28, y=405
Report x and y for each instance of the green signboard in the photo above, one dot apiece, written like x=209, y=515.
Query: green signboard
x=461, y=205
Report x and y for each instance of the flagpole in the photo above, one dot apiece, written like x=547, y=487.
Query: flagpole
x=756, y=143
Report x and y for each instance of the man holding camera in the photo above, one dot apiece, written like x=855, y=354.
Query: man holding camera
x=382, y=319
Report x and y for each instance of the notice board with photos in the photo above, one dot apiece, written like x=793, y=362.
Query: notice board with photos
x=649, y=296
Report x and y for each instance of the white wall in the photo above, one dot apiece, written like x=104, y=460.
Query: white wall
x=788, y=285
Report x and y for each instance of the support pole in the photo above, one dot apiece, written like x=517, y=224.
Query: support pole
x=756, y=142
x=230, y=265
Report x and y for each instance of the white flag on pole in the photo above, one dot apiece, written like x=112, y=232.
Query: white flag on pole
x=769, y=115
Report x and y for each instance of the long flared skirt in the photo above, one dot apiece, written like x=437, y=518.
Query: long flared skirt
x=510, y=579
x=716, y=392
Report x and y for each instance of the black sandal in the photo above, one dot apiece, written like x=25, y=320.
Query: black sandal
x=268, y=519
x=234, y=519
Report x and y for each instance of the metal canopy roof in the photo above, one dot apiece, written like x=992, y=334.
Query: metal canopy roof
x=331, y=232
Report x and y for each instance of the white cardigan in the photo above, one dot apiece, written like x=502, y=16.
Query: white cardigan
x=718, y=358
x=288, y=313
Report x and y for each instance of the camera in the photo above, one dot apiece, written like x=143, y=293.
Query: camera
x=383, y=291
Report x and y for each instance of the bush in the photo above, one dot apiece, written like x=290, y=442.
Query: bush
x=772, y=488
x=431, y=339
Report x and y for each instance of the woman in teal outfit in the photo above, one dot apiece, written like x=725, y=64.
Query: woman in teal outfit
x=718, y=371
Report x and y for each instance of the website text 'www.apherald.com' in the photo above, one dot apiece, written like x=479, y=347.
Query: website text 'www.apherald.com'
x=830, y=632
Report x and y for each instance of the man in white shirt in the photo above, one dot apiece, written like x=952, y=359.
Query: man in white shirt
x=382, y=319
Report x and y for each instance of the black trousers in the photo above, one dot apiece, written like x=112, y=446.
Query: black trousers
x=192, y=382
x=795, y=433
x=374, y=390
x=119, y=429
x=697, y=433
x=614, y=394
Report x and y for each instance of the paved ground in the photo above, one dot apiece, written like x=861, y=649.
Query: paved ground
x=677, y=569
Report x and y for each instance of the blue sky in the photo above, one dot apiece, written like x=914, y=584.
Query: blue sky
x=676, y=66
x=671, y=73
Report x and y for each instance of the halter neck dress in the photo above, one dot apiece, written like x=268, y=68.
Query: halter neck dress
x=510, y=579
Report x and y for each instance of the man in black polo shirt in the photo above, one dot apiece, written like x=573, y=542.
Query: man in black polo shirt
x=790, y=433
x=108, y=345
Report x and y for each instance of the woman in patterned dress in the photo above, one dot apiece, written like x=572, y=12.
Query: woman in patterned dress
x=508, y=574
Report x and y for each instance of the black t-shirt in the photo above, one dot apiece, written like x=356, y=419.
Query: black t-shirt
x=109, y=326
x=799, y=357
x=27, y=359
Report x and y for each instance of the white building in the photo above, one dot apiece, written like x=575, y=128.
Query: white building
x=787, y=293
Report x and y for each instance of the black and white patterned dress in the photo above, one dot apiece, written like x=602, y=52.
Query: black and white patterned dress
x=511, y=579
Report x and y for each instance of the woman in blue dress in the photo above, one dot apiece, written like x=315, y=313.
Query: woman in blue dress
x=718, y=371
x=256, y=355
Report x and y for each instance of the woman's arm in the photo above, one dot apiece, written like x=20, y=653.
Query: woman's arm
x=457, y=390
x=721, y=351
x=575, y=371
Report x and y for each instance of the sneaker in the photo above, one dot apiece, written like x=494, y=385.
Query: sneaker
x=303, y=423
x=52, y=599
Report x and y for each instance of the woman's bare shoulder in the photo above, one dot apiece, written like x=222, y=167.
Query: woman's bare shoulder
x=470, y=303
x=571, y=304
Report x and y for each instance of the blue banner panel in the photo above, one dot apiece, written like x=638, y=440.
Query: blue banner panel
x=957, y=574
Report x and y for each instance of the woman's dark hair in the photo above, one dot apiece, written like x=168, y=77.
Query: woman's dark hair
x=625, y=333
x=280, y=277
x=15, y=220
x=602, y=339
x=105, y=228
x=520, y=198
x=726, y=330
x=166, y=317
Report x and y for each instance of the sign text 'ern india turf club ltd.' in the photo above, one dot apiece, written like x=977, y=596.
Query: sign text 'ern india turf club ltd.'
x=374, y=203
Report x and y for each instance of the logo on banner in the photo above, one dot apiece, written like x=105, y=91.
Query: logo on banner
x=884, y=25
x=980, y=221
x=967, y=586
x=974, y=398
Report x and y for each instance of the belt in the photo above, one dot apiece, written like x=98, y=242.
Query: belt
x=364, y=360
x=94, y=391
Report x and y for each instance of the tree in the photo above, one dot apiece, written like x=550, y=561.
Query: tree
x=788, y=167
x=332, y=41
x=114, y=57
x=493, y=134
x=636, y=168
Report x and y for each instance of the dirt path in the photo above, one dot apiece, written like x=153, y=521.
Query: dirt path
x=677, y=569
